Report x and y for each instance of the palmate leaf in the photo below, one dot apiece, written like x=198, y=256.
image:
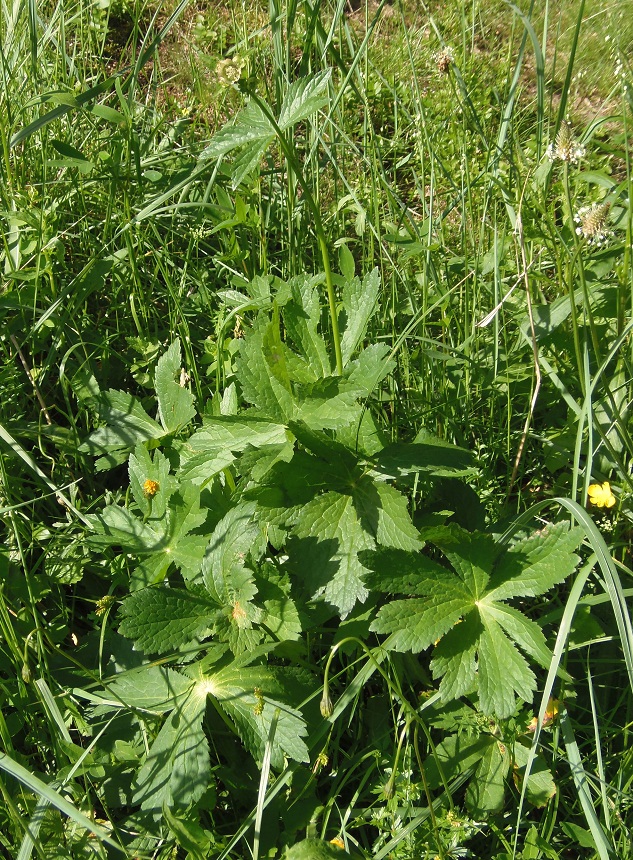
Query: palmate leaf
x=454, y=658
x=149, y=688
x=535, y=564
x=230, y=583
x=489, y=759
x=363, y=374
x=285, y=386
x=503, y=671
x=281, y=617
x=224, y=559
x=127, y=424
x=385, y=514
x=253, y=130
x=428, y=455
x=336, y=511
x=142, y=467
x=258, y=368
x=159, y=540
x=251, y=697
x=297, y=481
x=486, y=790
x=416, y=623
x=304, y=98
x=456, y=754
x=540, y=784
x=328, y=404
x=116, y=526
x=250, y=125
x=302, y=319
x=324, y=551
x=482, y=639
x=177, y=769
x=220, y=441
x=359, y=302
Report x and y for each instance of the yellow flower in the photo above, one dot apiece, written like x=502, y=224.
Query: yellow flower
x=150, y=488
x=601, y=496
x=551, y=712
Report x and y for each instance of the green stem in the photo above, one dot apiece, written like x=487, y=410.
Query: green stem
x=429, y=798
x=571, y=266
x=318, y=226
x=396, y=691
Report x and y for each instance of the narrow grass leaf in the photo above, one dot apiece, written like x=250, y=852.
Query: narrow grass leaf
x=34, y=784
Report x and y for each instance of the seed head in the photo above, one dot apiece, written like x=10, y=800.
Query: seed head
x=258, y=707
x=444, y=59
x=104, y=603
x=565, y=147
x=592, y=223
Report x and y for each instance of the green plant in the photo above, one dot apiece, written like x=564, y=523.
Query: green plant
x=465, y=611
x=280, y=516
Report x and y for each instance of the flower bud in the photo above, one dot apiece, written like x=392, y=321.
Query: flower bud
x=326, y=705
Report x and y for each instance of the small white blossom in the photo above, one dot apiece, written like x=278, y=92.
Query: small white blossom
x=592, y=223
x=229, y=71
x=565, y=147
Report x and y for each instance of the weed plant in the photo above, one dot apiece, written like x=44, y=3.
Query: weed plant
x=315, y=438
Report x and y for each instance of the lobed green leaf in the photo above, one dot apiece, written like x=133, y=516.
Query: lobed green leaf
x=163, y=619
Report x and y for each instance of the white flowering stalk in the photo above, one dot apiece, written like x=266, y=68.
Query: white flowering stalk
x=565, y=148
x=592, y=223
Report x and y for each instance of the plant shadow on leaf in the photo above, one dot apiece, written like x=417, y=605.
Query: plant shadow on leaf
x=313, y=563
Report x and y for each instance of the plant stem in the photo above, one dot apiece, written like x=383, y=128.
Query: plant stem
x=318, y=226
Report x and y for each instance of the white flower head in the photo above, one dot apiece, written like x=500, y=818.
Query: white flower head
x=592, y=223
x=229, y=71
x=565, y=148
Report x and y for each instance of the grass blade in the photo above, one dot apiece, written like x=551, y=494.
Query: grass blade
x=32, y=782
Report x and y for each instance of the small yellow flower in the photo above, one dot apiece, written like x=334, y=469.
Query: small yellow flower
x=150, y=488
x=601, y=496
x=551, y=712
